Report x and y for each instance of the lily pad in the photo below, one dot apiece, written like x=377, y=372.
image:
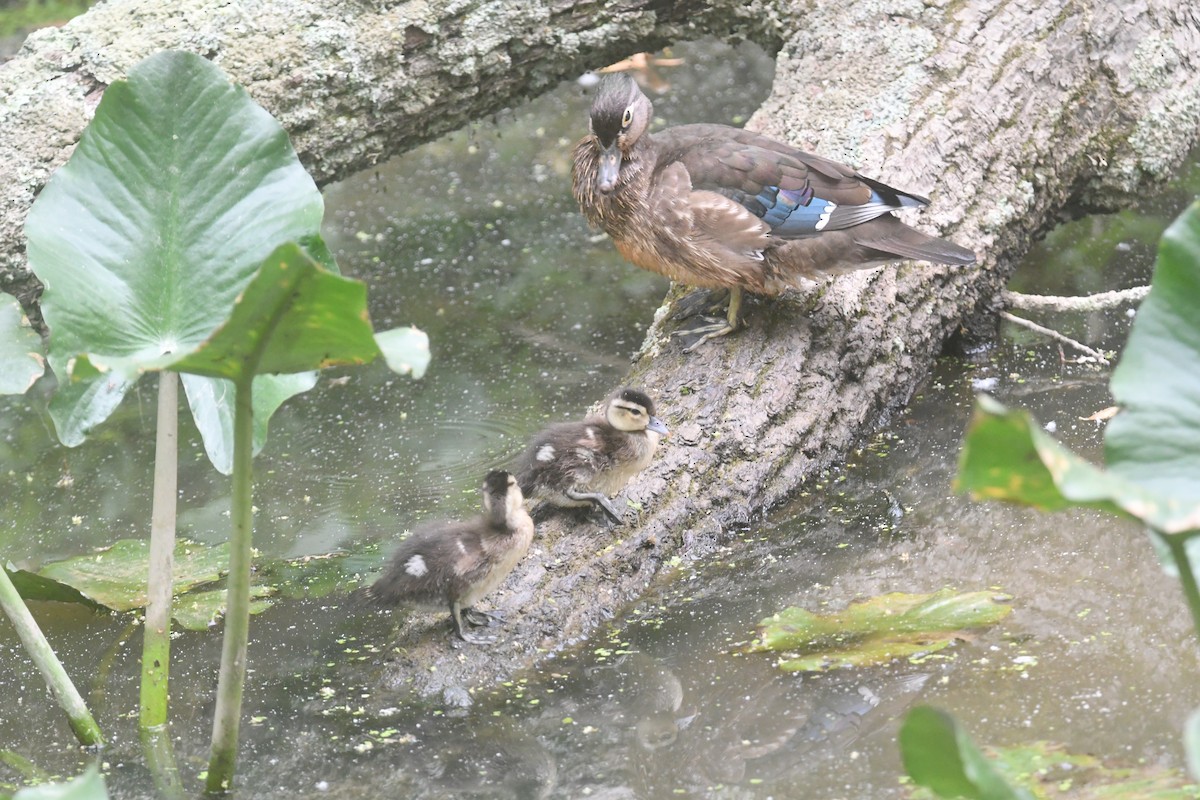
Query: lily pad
x=116, y=576
x=21, y=360
x=198, y=611
x=32, y=586
x=875, y=631
x=316, y=575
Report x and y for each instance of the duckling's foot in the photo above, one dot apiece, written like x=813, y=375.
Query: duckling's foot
x=470, y=637
x=608, y=510
x=457, y=613
x=480, y=619
x=596, y=499
x=702, y=330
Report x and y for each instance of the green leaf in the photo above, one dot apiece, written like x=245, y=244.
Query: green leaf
x=875, y=631
x=1152, y=445
x=1007, y=456
x=1046, y=770
x=116, y=576
x=199, y=611
x=1155, y=439
x=405, y=350
x=88, y=786
x=33, y=586
x=21, y=360
x=177, y=191
x=938, y=754
x=211, y=400
x=293, y=316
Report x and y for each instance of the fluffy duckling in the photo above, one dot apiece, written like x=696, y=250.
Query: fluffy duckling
x=725, y=208
x=456, y=563
x=576, y=464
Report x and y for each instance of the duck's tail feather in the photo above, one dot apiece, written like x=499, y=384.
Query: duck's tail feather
x=887, y=234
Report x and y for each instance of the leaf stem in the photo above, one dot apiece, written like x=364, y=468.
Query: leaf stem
x=237, y=615
x=1178, y=544
x=159, y=753
x=68, y=697
x=156, y=636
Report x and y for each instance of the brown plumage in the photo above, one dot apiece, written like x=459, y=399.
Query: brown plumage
x=720, y=207
x=454, y=564
x=582, y=463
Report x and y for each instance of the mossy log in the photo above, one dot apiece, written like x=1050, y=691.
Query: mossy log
x=1010, y=114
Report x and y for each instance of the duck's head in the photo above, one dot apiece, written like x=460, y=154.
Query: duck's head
x=501, y=496
x=620, y=114
x=632, y=410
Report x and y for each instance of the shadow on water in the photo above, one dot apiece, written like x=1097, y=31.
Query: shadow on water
x=533, y=317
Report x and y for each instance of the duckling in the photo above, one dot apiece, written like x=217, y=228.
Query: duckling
x=457, y=563
x=575, y=464
x=724, y=208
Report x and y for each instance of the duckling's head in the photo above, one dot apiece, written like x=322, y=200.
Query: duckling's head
x=501, y=497
x=620, y=115
x=632, y=410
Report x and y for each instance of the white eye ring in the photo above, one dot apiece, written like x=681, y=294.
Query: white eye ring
x=627, y=118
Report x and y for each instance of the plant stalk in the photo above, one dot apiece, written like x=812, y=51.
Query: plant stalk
x=159, y=753
x=1178, y=544
x=156, y=636
x=68, y=697
x=223, y=755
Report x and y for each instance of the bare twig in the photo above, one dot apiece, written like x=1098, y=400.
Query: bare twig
x=1091, y=302
x=1053, y=334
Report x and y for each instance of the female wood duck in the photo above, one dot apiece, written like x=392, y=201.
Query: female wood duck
x=720, y=207
x=457, y=563
x=576, y=464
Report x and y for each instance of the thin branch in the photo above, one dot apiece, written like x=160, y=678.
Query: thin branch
x=1091, y=302
x=1053, y=334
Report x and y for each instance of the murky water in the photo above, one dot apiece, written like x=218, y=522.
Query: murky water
x=531, y=318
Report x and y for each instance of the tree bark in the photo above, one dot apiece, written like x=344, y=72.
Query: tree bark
x=353, y=83
x=1009, y=113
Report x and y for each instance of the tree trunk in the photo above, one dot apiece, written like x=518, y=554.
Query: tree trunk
x=1009, y=114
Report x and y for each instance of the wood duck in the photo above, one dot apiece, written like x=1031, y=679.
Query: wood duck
x=577, y=464
x=724, y=208
x=455, y=564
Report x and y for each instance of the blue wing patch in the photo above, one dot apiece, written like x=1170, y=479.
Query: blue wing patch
x=795, y=214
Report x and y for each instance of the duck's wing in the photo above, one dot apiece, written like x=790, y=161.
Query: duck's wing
x=426, y=564
x=796, y=194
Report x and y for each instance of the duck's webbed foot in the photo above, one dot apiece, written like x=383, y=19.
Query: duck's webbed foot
x=461, y=630
x=705, y=327
x=702, y=302
x=597, y=499
x=702, y=330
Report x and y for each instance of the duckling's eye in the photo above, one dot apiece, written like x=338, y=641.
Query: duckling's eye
x=627, y=118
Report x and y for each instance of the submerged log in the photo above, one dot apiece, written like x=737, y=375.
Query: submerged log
x=1008, y=114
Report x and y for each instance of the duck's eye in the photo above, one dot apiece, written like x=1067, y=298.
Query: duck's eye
x=627, y=118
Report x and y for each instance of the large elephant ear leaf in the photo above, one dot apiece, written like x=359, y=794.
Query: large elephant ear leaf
x=21, y=359
x=177, y=191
